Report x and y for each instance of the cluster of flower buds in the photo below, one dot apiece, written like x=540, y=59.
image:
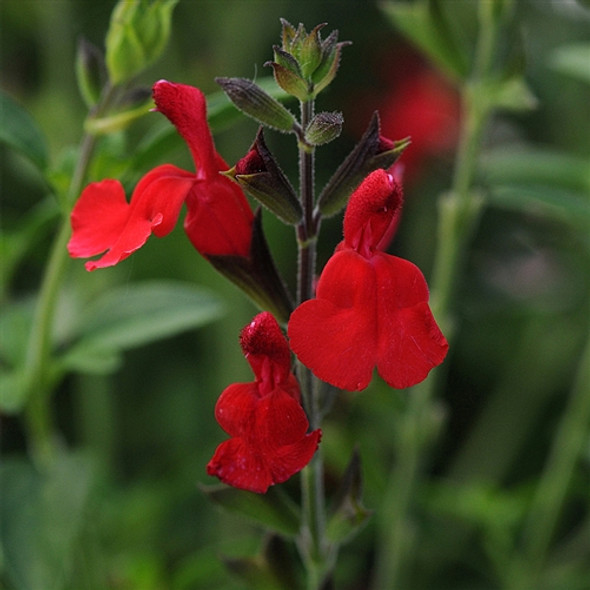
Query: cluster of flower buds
x=306, y=63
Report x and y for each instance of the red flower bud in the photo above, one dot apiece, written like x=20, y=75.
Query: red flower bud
x=373, y=214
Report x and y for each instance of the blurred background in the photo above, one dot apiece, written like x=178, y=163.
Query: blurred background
x=142, y=435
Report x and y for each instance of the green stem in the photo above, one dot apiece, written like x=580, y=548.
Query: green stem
x=38, y=379
x=396, y=535
x=312, y=541
x=568, y=446
x=459, y=213
x=39, y=374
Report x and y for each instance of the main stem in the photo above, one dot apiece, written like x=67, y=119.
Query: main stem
x=312, y=540
x=307, y=230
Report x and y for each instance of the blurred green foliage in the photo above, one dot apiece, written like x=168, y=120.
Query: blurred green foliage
x=123, y=510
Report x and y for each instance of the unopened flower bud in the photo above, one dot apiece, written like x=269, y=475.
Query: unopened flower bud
x=90, y=72
x=137, y=36
x=373, y=151
x=259, y=174
x=306, y=64
x=256, y=103
x=323, y=128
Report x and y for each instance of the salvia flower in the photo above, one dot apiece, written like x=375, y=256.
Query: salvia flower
x=371, y=308
x=265, y=420
x=218, y=221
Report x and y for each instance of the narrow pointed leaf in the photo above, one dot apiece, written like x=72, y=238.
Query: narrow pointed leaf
x=134, y=315
x=422, y=24
x=348, y=515
x=573, y=60
x=20, y=132
x=289, y=81
x=274, y=510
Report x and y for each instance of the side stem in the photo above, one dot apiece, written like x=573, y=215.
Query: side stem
x=459, y=213
x=39, y=375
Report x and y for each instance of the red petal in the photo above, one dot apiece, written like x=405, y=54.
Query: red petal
x=102, y=220
x=98, y=218
x=400, y=282
x=219, y=219
x=235, y=408
x=274, y=445
x=280, y=420
x=410, y=342
x=186, y=108
x=290, y=459
x=335, y=335
x=237, y=464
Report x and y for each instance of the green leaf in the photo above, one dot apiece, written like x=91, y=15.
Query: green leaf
x=16, y=242
x=573, y=60
x=273, y=569
x=117, y=121
x=511, y=94
x=43, y=520
x=90, y=72
x=12, y=392
x=134, y=315
x=20, y=132
x=549, y=183
x=528, y=165
x=424, y=24
x=273, y=510
x=568, y=207
x=15, y=324
x=348, y=515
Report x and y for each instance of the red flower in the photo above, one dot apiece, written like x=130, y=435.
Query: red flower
x=424, y=106
x=218, y=220
x=265, y=418
x=415, y=100
x=371, y=308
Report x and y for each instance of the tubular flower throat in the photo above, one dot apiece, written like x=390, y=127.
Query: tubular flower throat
x=265, y=420
x=219, y=218
x=371, y=308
